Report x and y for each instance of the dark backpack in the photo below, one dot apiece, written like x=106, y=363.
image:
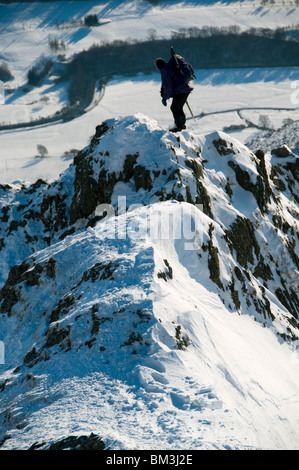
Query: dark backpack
x=183, y=68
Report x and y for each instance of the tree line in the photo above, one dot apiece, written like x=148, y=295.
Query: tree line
x=214, y=49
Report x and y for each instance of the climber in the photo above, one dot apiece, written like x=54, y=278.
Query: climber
x=175, y=75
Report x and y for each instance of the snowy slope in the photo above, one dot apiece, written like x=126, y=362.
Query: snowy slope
x=171, y=322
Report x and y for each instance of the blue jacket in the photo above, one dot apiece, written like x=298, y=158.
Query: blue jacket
x=172, y=82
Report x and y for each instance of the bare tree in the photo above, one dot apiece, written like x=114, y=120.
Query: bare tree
x=42, y=150
x=264, y=122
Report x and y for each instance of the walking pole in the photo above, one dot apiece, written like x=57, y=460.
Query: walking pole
x=190, y=111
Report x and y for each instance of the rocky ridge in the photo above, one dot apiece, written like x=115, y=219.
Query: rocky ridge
x=74, y=289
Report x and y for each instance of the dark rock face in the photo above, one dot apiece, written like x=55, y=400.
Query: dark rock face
x=91, y=442
x=282, y=152
x=241, y=236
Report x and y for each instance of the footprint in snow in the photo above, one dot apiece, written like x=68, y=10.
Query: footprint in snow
x=201, y=400
x=160, y=378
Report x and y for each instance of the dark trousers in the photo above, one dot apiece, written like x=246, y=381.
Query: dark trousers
x=177, y=109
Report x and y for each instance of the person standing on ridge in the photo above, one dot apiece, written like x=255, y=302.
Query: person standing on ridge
x=175, y=76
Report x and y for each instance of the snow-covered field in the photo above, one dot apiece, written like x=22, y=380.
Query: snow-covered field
x=224, y=96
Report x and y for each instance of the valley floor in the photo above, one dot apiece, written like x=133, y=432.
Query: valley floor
x=234, y=99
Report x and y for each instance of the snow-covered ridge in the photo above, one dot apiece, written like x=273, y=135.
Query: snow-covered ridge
x=287, y=134
x=137, y=286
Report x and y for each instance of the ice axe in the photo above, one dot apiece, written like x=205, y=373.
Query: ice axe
x=190, y=111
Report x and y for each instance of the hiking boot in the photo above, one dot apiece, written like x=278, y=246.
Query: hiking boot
x=177, y=129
